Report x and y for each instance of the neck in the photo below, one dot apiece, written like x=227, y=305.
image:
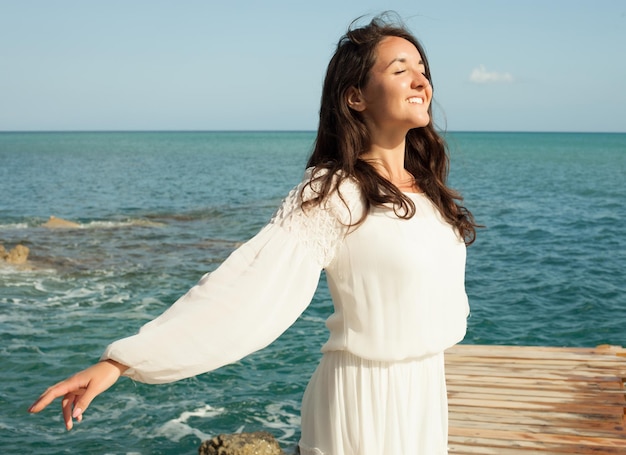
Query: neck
x=386, y=156
x=388, y=160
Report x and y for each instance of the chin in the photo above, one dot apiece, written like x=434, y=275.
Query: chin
x=422, y=123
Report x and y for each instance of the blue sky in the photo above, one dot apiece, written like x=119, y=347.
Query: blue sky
x=533, y=65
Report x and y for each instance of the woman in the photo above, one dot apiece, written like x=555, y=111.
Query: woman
x=374, y=211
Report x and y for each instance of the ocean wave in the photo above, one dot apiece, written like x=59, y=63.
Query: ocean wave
x=69, y=224
x=122, y=224
x=104, y=224
x=177, y=429
x=12, y=226
x=21, y=271
x=283, y=417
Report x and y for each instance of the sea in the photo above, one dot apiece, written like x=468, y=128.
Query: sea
x=157, y=210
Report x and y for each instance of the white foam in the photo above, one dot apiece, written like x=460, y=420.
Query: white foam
x=282, y=420
x=100, y=224
x=310, y=318
x=121, y=224
x=176, y=429
x=13, y=226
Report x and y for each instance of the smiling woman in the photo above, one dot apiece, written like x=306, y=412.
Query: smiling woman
x=374, y=211
x=397, y=94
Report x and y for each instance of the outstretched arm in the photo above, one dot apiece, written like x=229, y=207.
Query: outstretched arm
x=79, y=390
x=250, y=299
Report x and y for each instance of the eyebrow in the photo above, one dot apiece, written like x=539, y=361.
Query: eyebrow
x=402, y=60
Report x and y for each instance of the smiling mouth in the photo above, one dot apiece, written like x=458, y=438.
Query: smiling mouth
x=416, y=100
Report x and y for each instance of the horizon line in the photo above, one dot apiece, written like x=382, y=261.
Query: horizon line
x=293, y=131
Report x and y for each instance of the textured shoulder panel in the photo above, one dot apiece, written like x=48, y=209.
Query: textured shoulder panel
x=320, y=227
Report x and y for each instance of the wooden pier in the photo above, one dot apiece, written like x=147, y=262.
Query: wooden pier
x=510, y=400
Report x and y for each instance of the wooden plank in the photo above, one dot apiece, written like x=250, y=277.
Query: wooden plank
x=612, y=396
x=539, y=384
x=536, y=418
x=609, y=398
x=579, y=376
x=480, y=445
x=512, y=424
x=538, y=442
x=523, y=352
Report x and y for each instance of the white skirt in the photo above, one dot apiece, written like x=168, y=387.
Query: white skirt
x=354, y=406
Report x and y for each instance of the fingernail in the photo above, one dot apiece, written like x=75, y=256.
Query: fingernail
x=77, y=412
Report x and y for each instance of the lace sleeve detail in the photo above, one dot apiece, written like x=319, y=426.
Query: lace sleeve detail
x=322, y=227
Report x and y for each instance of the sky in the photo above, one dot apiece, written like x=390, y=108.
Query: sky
x=73, y=65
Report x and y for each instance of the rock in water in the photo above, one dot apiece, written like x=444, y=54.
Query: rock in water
x=258, y=443
x=18, y=255
x=55, y=222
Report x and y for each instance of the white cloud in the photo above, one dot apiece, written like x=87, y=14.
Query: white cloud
x=480, y=75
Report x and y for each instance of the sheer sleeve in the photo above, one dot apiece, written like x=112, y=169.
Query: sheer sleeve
x=247, y=302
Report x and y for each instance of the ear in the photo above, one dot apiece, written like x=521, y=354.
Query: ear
x=355, y=100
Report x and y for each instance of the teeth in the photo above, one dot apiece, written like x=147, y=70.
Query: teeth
x=416, y=100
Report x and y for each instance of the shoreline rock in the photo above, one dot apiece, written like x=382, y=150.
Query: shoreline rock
x=257, y=443
x=56, y=223
x=16, y=256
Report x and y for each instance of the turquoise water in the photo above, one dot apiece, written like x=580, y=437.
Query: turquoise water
x=157, y=210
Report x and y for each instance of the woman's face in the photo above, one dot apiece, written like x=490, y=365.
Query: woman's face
x=397, y=94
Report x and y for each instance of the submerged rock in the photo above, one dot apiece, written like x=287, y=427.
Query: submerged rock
x=258, y=443
x=55, y=222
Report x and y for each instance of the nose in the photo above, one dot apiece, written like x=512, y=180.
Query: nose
x=420, y=81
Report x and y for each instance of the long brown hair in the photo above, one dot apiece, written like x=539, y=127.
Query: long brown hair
x=342, y=136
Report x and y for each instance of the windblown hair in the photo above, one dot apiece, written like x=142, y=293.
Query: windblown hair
x=342, y=137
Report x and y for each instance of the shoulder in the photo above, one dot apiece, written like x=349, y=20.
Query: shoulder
x=329, y=185
x=332, y=191
x=318, y=211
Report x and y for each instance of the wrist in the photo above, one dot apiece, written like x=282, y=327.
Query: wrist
x=119, y=366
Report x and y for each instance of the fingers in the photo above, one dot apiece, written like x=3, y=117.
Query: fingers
x=52, y=393
x=66, y=407
x=70, y=391
x=79, y=390
x=70, y=409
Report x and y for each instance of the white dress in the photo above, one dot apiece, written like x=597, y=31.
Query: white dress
x=399, y=301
